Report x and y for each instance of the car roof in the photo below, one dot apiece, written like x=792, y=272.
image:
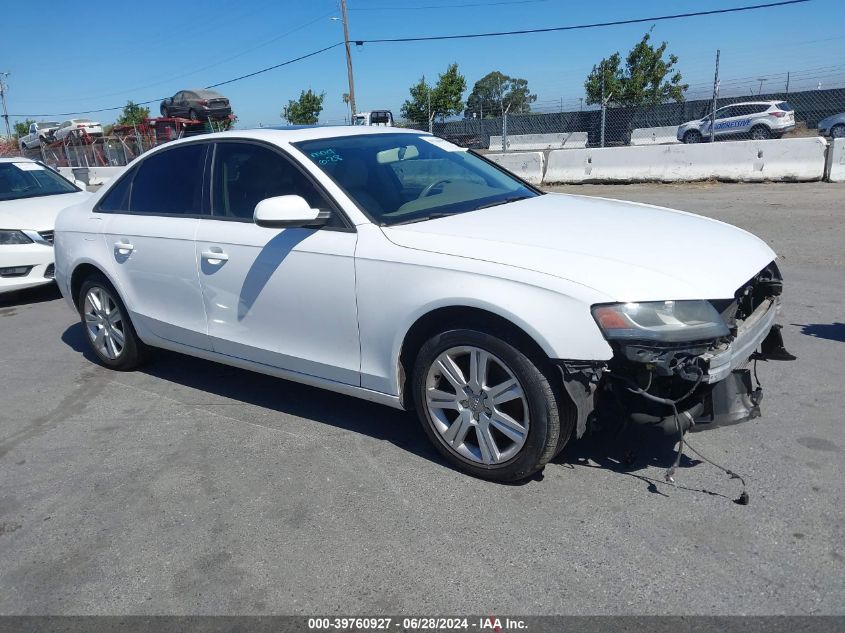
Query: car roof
x=755, y=103
x=295, y=134
x=16, y=159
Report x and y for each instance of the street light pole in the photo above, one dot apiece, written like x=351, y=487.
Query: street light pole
x=3, y=89
x=348, y=58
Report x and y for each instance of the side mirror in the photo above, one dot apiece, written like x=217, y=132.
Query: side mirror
x=288, y=211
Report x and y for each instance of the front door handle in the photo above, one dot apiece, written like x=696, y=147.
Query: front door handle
x=123, y=248
x=213, y=256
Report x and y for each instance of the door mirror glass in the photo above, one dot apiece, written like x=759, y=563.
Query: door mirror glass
x=288, y=211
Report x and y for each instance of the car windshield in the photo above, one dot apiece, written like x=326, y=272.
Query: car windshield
x=30, y=180
x=401, y=178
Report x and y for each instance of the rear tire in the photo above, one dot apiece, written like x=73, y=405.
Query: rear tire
x=193, y=116
x=837, y=131
x=163, y=111
x=107, y=326
x=693, y=136
x=502, y=422
x=760, y=133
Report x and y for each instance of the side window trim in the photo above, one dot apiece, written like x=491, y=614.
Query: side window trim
x=333, y=204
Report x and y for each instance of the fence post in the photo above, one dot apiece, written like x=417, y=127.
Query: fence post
x=504, y=132
x=715, y=94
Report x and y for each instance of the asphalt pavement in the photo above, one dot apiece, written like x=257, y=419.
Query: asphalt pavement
x=193, y=488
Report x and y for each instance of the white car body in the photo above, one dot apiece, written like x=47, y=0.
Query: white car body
x=757, y=119
x=74, y=127
x=333, y=308
x=35, y=217
x=37, y=132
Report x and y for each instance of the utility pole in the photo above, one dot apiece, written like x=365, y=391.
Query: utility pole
x=3, y=89
x=348, y=58
x=715, y=95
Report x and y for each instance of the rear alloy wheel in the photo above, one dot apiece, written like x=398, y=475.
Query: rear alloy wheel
x=693, y=136
x=486, y=406
x=838, y=131
x=760, y=133
x=108, y=327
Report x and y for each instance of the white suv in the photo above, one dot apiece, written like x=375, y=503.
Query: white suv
x=757, y=120
x=396, y=267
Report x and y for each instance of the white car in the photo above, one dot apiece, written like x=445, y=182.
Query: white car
x=396, y=267
x=31, y=196
x=74, y=127
x=38, y=132
x=757, y=120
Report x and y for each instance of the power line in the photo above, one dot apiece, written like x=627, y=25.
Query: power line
x=222, y=83
x=579, y=26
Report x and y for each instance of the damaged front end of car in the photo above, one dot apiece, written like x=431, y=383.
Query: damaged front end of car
x=681, y=365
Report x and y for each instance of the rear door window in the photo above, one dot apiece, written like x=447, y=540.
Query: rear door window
x=117, y=199
x=170, y=182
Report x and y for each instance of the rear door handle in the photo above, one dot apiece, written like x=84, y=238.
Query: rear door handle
x=124, y=248
x=213, y=256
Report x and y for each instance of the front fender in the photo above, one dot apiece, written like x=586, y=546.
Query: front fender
x=396, y=286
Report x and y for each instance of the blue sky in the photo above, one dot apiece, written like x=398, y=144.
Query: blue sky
x=151, y=51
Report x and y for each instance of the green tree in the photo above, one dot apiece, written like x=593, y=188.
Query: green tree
x=133, y=114
x=305, y=110
x=22, y=127
x=443, y=100
x=496, y=93
x=646, y=79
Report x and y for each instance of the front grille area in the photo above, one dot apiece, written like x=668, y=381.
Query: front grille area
x=47, y=235
x=50, y=272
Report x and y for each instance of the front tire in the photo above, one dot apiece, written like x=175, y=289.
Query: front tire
x=107, y=326
x=487, y=407
x=693, y=136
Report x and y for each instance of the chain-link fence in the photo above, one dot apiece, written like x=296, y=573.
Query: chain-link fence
x=768, y=115
x=119, y=148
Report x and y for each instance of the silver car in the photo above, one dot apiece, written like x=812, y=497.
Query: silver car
x=758, y=120
x=833, y=126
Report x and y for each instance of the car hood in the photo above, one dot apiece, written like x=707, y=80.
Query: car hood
x=39, y=213
x=624, y=250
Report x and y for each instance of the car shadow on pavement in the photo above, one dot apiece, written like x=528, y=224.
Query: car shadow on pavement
x=627, y=452
x=39, y=294
x=276, y=394
x=829, y=331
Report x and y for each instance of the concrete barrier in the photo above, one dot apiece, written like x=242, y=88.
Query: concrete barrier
x=92, y=176
x=526, y=165
x=835, y=168
x=797, y=159
x=522, y=142
x=655, y=135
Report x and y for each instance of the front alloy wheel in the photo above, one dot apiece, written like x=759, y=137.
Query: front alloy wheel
x=490, y=404
x=477, y=405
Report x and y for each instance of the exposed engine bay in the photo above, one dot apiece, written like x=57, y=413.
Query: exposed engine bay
x=686, y=385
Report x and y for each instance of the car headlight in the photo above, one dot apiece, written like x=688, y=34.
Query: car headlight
x=8, y=238
x=661, y=321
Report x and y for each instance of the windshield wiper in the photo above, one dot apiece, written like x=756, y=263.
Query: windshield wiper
x=505, y=201
x=430, y=216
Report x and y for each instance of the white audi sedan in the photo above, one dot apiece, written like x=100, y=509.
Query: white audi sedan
x=393, y=266
x=31, y=196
